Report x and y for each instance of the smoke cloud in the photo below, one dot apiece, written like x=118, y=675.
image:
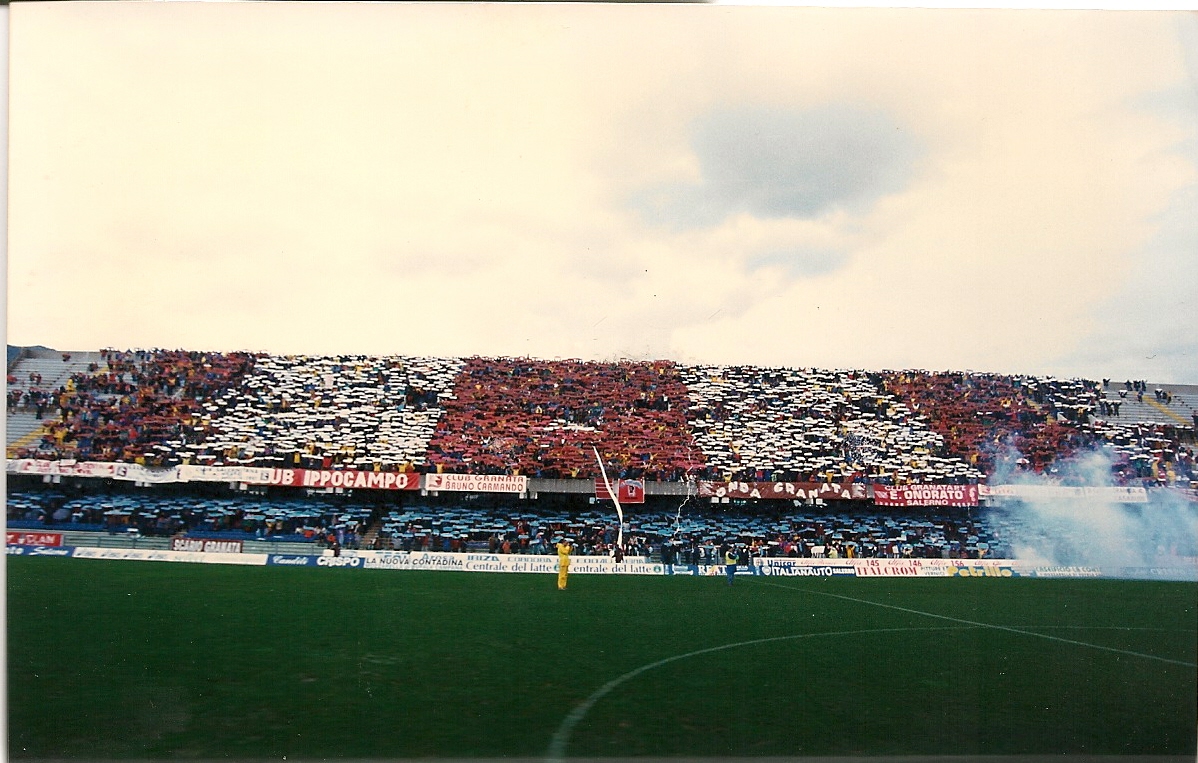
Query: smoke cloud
x=1158, y=539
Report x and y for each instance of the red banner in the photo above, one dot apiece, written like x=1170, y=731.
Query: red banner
x=33, y=539
x=848, y=491
x=629, y=491
x=344, y=479
x=926, y=495
x=206, y=545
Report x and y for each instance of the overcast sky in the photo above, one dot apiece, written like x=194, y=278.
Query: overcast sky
x=1011, y=191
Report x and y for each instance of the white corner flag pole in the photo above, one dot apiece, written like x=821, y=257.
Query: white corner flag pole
x=614, y=498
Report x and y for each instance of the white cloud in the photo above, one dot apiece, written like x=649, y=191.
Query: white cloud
x=457, y=180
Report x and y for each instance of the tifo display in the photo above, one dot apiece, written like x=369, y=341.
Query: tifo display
x=665, y=467
x=656, y=421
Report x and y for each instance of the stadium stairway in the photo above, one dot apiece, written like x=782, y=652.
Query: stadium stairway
x=1185, y=401
x=1152, y=411
x=21, y=426
x=1177, y=418
x=371, y=534
x=54, y=370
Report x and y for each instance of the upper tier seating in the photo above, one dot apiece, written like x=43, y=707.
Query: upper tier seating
x=654, y=420
x=987, y=417
x=542, y=419
x=350, y=411
x=805, y=425
x=138, y=406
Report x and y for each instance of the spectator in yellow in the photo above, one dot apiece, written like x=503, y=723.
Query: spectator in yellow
x=563, y=563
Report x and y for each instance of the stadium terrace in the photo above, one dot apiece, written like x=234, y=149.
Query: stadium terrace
x=655, y=421
x=415, y=454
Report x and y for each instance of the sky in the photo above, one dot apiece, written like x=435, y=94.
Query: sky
x=1006, y=191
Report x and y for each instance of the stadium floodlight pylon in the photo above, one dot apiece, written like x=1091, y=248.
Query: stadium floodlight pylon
x=615, y=498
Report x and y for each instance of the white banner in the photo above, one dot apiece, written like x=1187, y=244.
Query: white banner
x=1065, y=492
x=1118, y=494
x=249, y=474
x=476, y=483
x=66, y=468
x=139, y=473
x=1030, y=492
x=163, y=555
x=1067, y=572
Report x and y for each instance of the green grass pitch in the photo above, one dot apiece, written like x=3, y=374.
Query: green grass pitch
x=155, y=660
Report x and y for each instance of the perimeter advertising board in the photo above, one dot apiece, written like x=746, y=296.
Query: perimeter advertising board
x=547, y=564
x=291, y=560
x=16, y=538
x=40, y=550
x=585, y=565
x=206, y=545
x=166, y=555
x=805, y=568
x=899, y=568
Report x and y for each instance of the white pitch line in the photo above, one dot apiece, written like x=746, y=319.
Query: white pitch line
x=991, y=625
x=561, y=737
x=1107, y=628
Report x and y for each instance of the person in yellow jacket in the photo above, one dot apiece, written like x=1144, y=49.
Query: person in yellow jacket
x=563, y=563
x=731, y=559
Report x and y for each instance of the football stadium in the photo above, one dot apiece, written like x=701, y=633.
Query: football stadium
x=255, y=556
x=550, y=382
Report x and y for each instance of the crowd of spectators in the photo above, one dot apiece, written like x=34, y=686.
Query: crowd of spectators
x=138, y=407
x=1152, y=455
x=31, y=392
x=502, y=531
x=694, y=535
x=1164, y=397
x=807, y=425
x=957, y=535
x=275, y=519
x=372, y=413
x=542, y=419
x=985, y=417
x=33, y=399
x=653, y=420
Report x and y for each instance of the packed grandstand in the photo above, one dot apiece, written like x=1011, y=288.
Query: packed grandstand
x=497, y=454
